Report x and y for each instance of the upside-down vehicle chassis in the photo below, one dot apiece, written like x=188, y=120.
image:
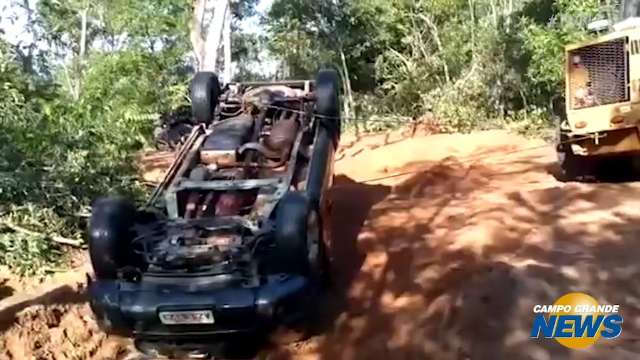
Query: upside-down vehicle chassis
x=233, y=239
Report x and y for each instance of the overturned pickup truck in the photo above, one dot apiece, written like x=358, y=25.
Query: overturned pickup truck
x=233, y=239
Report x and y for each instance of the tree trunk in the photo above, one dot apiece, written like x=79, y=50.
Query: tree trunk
x=82, y=53
x=436, y=38
x=196, y=31
x=226, y=39
x=27, y=59
x=214, y=34
x=349, y=112
x=472, y=11
x=494, y=12
x=508, y=15
x=83, y=33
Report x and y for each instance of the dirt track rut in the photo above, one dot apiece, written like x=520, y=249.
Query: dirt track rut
x=442, y=244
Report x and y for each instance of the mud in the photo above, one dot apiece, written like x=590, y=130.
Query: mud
x=441, y=246
x=53, y=322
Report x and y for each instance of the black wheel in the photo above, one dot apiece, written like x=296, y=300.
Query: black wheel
x=568, y=161
x=205, y=90
x=328, y=98
x=300, y=250
x=576, y=167
x=568, y=164
x=110, y=234
x=298, y=237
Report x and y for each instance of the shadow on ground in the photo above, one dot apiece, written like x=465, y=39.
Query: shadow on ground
x=5, y=290
x=63, y=295
x=448, y=261
x=352, y=203
x=456, y=255
x=614, y=170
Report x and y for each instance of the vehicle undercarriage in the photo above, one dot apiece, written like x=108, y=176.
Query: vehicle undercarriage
x=232, y=240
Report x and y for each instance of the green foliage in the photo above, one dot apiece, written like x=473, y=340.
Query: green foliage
x=168, y=23
x=70, y=128
x=474, y=64
x=372, y=116
x=532, y=123
x=33, y=252
x=57, y=158
x=72, y=137
x=27, y=254
x=308, y=34
x=74, y=112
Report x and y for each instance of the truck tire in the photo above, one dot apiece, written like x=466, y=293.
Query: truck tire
x=205, y=89
x=576, y=167
x=328, y=99
x=298, y=237
x=110, y=234
x=569, y=165
x=568, y=161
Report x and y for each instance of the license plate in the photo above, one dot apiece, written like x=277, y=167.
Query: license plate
x=186, y=317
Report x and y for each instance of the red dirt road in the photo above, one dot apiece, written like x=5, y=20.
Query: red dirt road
x=442, y=262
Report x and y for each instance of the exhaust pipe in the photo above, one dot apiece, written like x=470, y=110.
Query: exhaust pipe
x=630, y=9
x=629, y=14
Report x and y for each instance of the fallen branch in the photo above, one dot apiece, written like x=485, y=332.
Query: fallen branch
x=56, y=238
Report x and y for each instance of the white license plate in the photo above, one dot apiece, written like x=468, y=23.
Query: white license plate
x=186, y=317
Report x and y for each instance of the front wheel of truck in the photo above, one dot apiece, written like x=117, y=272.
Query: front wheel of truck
x=566, y=158
x=569, y=164
x=573, y=167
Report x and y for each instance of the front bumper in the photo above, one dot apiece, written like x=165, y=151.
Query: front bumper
x=610, y=142
x=132, y=308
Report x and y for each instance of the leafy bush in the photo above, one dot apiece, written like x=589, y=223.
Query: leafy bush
x=533, y=123
x=473, y=64
x=60, y=154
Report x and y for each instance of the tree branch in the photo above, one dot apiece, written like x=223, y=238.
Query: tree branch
x=56, y=238
x=436, y=38
x=67, y=75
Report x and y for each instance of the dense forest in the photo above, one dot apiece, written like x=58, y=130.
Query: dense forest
x=81, y=99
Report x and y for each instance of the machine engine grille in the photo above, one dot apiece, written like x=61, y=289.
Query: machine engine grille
x=599, y=74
